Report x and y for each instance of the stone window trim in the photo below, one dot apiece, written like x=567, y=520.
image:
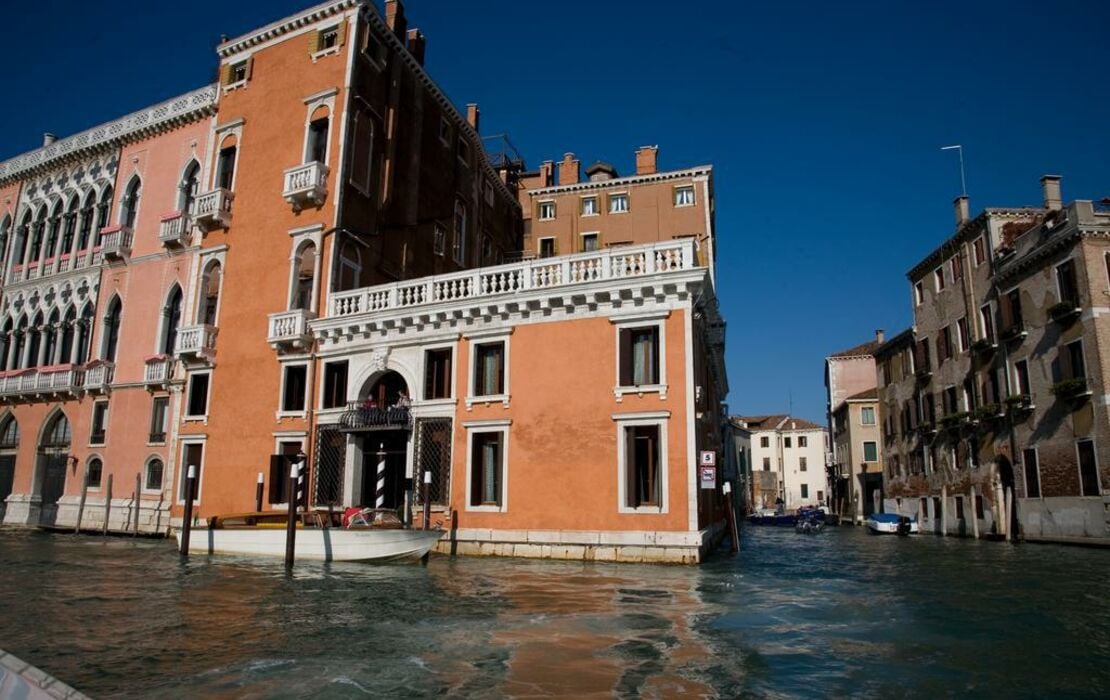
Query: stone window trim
x=544, y=206
x=615, y=197
x=197, y=418
x=229, y=133
x=179, y=478
x=487, y=426
x=678, y=194
x=99, y=439
x=324, y=99
x=335, y=34
x=452, y=346
x=483, y=338
x=661, y=419
x=918, y=293
x=303, y=413
x=146, y=474
x=582, y=205
x=656, y=319
x=938, y=279
x=207, y=259
x=93, y=457
x=236, y=74
x=301, y=238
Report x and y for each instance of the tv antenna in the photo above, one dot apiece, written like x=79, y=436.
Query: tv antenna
x=960, y=150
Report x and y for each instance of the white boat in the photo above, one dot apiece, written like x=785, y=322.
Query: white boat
x=263, y=534
x=891, y=524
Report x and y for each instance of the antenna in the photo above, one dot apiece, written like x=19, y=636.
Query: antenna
x=960, y=150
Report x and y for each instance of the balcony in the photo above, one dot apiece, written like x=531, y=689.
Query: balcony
x=196, y=343
x=289, y=330
x=1076, y=389
x=115, y=242
x=1065, y=312
x=360, y=417
x=1020, y=403
x=174, y=229
x=306, y=185
x=158, y=371
x=212, y=210
x=1014, y=333
x=98, y=375
x=984, y=347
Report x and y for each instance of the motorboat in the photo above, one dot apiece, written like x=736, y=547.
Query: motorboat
x=367, y=535
x=891, y=524
x=810, y=521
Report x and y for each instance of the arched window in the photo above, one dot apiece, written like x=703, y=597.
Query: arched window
x=316, y=143
x=50, y=339
x=111, y=329
x=154, y=471
x=225, y=164
x=20, y=344
x=34, y=341
x=53, y=228
x=57, y=435
x=104, y=211
x=210, y=304
x=9, y=433
x=305, y=280
x=94, y=472
x=6, y=340
x=131, y=202
x=190, y=185
x=37, y=231
x=84, y=335
x=5, y=231
x=21, y=236
x=68, y=323
x=88, y=215
x=171, y=321
x=69, y=228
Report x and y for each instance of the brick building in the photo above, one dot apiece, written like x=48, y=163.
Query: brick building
x=854, y=465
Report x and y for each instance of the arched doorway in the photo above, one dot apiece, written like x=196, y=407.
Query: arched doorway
x=1006, y=477
x=50, y=475
x=9, y=444
x=381, y=426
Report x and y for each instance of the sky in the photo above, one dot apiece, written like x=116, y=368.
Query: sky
x=823, y=122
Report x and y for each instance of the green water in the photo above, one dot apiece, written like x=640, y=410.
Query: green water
x=837, y=614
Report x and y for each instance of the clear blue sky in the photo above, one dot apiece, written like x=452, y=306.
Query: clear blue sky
x=823, y=121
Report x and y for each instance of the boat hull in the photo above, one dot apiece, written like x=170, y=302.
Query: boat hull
x=316, y=544
x=891, y=526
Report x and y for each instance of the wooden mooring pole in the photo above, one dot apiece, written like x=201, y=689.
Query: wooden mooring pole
x=138, y=491
x=84, y=495
x=975, y=511
x=379, y=499
x=427, y=501
x=108, y=505
x=730, y=515
x=187, y=525
x=291, y=523
x=258, y=493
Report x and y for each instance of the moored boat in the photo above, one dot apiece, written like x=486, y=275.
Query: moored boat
x=320, y=536
x=891, y=524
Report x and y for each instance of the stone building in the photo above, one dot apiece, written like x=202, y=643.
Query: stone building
x=787, y=460
x=995, y=420
x=854, y=471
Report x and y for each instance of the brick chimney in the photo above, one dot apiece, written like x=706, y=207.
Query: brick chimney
x=568, y=170
x=1050, y=189
x=879, y=336
x=472, y=115
x=395, y=18
x=416, y=45
x=962, y=212
x=646, y=159
x=546, y=169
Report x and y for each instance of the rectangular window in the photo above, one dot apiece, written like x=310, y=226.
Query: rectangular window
x=938, y=278
x=918, y=293
x=643, y=479
x=684, y=196
x=639, y=356
x=317, y=146
x=547, y=211
x=962, y=334
x=943, y=345
x=1076, y=368
x=766, y=464
x=1011, y=310
x=618, y=203
x=870, y=452
x=786, y=442
x=489, y=369
x=295, y=384
x=464, y=152
x=327, y=38
x=802, y=464
x=1021, y=377
x=486, y=468
x=805, y=490
x=1066, y=284
x=547, y=247
x=589, y=206
x=198, y=395
x=99, y=423
x=987, y=319
x=335, y=384
x=867, y=415
x=1088, y=469
x=159, y=415
x=957, y=268
x=978, y=507
x=225, y=167
x=437, y=374
x=439, y=243
x=803, y=441
x=764, y=441
x=193, y=455
x=979, y=248
x=362, y=150
x=936, y=507
x=959, y=507
x=445, y=131
x=589, y=242
x=238, y=73
x=1032, y=473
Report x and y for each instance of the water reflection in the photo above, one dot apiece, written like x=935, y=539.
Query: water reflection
x=837, y=614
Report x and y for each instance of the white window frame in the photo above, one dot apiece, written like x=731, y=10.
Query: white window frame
x=918, y=293
x=1056, y=278
x=485, y=338
x=963, y=332
x=616, y=196
x=974, y=252
x=863, y=452
x=146, y=473
x=246, y=63
x=487, y=426
x=656, y=319
x=206, y=261
x=939, y=283
x=167, y=421
x=324, y=98
x=330, y=49
x=554, y=246
x=862, y=420
x=186, y=416
x=682, y=189
x=183, y=473
x=281, y=412
x=544, y=206
x=1017, y=377
x=221, y=134
x=629, y=420
x=582, y=205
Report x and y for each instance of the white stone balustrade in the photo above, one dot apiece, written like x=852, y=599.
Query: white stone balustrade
x=288, y=330
x=98, y=376
x=159, y=370
x=62, y=379
x=212, y=210
x=115, y=242
x=196, y=342
x=174, y=229
x=306, y=184
x=544, y=273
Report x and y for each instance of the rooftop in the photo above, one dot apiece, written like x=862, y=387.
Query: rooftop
x=862, y=350
x=778, y=421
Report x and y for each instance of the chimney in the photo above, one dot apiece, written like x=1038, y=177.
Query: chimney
x=879, y=336
x=1050, y=188
x=568, y=170
x=472, y=115
x=416, y=45
x=395, y=18
x=961, y=206
x=645, y=159
x=48, y=138
x=546, y=170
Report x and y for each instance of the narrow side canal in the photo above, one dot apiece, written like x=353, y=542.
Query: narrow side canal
x=840, y=613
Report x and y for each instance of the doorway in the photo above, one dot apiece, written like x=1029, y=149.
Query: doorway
x=53, y=456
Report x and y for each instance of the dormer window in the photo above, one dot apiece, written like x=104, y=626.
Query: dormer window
x=236, y=74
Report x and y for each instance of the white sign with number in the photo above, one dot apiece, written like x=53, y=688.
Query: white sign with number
x=708, y=458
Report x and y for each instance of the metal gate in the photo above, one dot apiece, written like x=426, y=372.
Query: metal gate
x=433, y=453
x=331, y=457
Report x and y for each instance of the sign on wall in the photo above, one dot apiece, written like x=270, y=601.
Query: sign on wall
x=708, y=477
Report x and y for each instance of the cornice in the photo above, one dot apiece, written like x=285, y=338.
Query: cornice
x=284, y=26
x=969, y=229
x=145, y=122
x=623, y=181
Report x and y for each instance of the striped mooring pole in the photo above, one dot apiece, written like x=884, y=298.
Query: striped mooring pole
x=379, y=501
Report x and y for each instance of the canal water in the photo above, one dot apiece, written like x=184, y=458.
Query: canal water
x=842, y=613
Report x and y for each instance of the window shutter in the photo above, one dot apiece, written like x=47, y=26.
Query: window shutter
x=625, y=354
x=341, y=33
x=655, y=357
x=313, y=42
x=1005, y=311
x=278, y=478
x=225, y=74
x=250, y=67
x=555, y=246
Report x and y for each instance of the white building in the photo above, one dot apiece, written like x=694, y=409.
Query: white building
x=793, y=450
